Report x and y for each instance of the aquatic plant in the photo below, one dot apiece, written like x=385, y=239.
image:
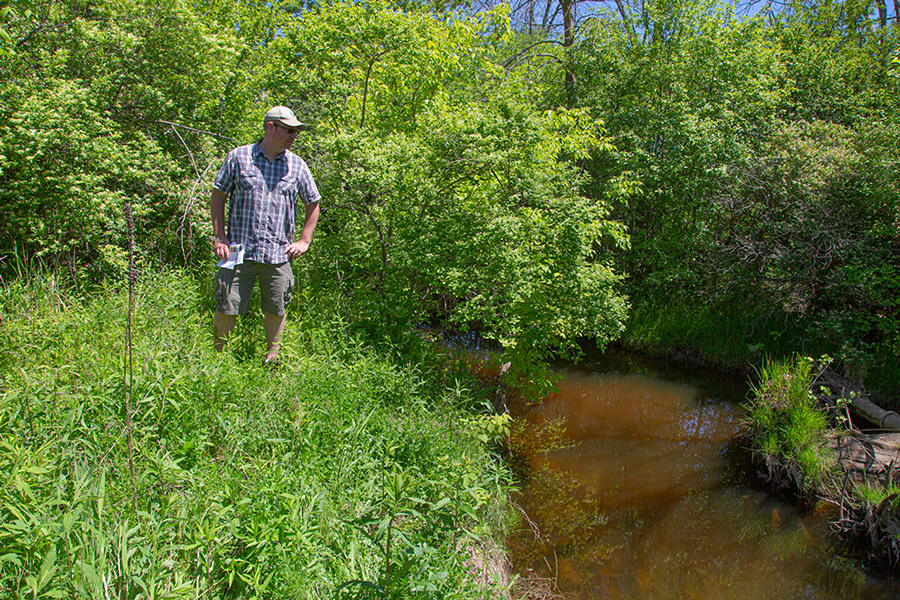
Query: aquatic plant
x=787, y=428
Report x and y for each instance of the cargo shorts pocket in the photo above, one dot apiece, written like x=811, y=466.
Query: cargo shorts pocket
x=224, y=279
x=288, y=290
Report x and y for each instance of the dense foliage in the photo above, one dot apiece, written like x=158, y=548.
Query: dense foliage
x=451, y=200
x=767, y=153
x=666, y=174
x=464, y=181
x=105, y=102
x=450, y=191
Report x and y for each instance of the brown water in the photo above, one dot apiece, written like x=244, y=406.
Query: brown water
x=636, y=490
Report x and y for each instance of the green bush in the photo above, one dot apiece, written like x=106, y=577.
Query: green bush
x=55, y=133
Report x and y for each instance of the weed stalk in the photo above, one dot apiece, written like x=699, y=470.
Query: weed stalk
x=129, y=364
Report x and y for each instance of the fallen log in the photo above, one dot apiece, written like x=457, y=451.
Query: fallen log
x=863, y=454
x=857, y=398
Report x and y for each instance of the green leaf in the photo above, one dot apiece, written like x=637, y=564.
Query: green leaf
x=90, y=574
x=48, y=569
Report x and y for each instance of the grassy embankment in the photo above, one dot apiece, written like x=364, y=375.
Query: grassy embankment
x=344, y=468
x=724, y=337
x=733, y=337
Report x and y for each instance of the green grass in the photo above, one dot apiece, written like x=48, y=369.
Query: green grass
x=343, y=475
x=786, y=425
x=876, y=494
x=728, y=335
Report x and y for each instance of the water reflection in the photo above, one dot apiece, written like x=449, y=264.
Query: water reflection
x=632, y=493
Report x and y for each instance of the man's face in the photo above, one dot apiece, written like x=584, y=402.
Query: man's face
x=283, y=135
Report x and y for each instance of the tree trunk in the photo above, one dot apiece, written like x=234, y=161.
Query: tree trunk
x=859, y=401
x=882, y=12
x=568, y=9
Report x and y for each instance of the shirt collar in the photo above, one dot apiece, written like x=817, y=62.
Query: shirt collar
x=257, y=150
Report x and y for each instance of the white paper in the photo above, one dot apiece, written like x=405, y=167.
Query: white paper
x=235, y=257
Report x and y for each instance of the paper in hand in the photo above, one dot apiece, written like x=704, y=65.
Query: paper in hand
x=235, y=257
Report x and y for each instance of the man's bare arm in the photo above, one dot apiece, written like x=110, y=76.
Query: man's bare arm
x=217, y=213
x=309, y=226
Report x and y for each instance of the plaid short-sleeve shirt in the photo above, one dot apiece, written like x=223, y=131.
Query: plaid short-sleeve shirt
x=262, y=207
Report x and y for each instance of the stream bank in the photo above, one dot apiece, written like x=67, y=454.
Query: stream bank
x=865, y=446
x=860, y=449
x=638, y=488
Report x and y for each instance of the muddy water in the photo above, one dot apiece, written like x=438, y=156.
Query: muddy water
x=635, y=490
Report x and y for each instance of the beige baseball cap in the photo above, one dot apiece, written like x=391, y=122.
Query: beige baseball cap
x=284, y=115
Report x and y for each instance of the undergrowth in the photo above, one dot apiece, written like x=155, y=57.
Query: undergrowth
x=342, y=475
x=720, y=336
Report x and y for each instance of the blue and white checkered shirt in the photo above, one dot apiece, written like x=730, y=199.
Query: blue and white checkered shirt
x=262, y=207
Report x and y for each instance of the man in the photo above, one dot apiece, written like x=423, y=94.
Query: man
x=262, y=183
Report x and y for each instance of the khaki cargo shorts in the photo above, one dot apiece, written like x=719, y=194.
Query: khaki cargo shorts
x=235, y=287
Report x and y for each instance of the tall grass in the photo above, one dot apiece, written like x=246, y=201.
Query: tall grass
x=787, y=428
x=727, y=335
x=342, y=475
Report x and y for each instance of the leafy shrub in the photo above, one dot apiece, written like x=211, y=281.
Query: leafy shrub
x=56, y=134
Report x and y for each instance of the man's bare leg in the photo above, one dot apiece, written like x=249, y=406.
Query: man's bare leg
x=274, y=329
x=223, y=324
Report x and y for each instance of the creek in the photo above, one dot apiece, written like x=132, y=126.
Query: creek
x=636, y=486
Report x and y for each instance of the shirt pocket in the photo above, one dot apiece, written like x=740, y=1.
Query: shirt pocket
x=287, y=188
x=250, y=179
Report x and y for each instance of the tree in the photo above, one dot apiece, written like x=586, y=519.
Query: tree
x=112, y=101
x=450, y=200
x=764, y=153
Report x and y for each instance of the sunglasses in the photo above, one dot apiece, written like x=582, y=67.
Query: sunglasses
x=288, y=129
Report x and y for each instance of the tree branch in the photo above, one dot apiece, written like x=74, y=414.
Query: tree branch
x=185, y=127
x=527, y=48
x=362, y=118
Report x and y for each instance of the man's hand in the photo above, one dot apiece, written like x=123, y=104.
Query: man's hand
x=220, y=247
x=296, y=249
x=309, y=225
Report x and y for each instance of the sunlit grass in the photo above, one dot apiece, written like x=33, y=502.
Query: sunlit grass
x=343, y=466
x=876, y=494
x=787, y=426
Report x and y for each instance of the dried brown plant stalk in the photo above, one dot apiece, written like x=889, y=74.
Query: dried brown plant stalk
x=129, y=364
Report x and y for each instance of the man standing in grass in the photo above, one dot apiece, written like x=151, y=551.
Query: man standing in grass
x=261, y=183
